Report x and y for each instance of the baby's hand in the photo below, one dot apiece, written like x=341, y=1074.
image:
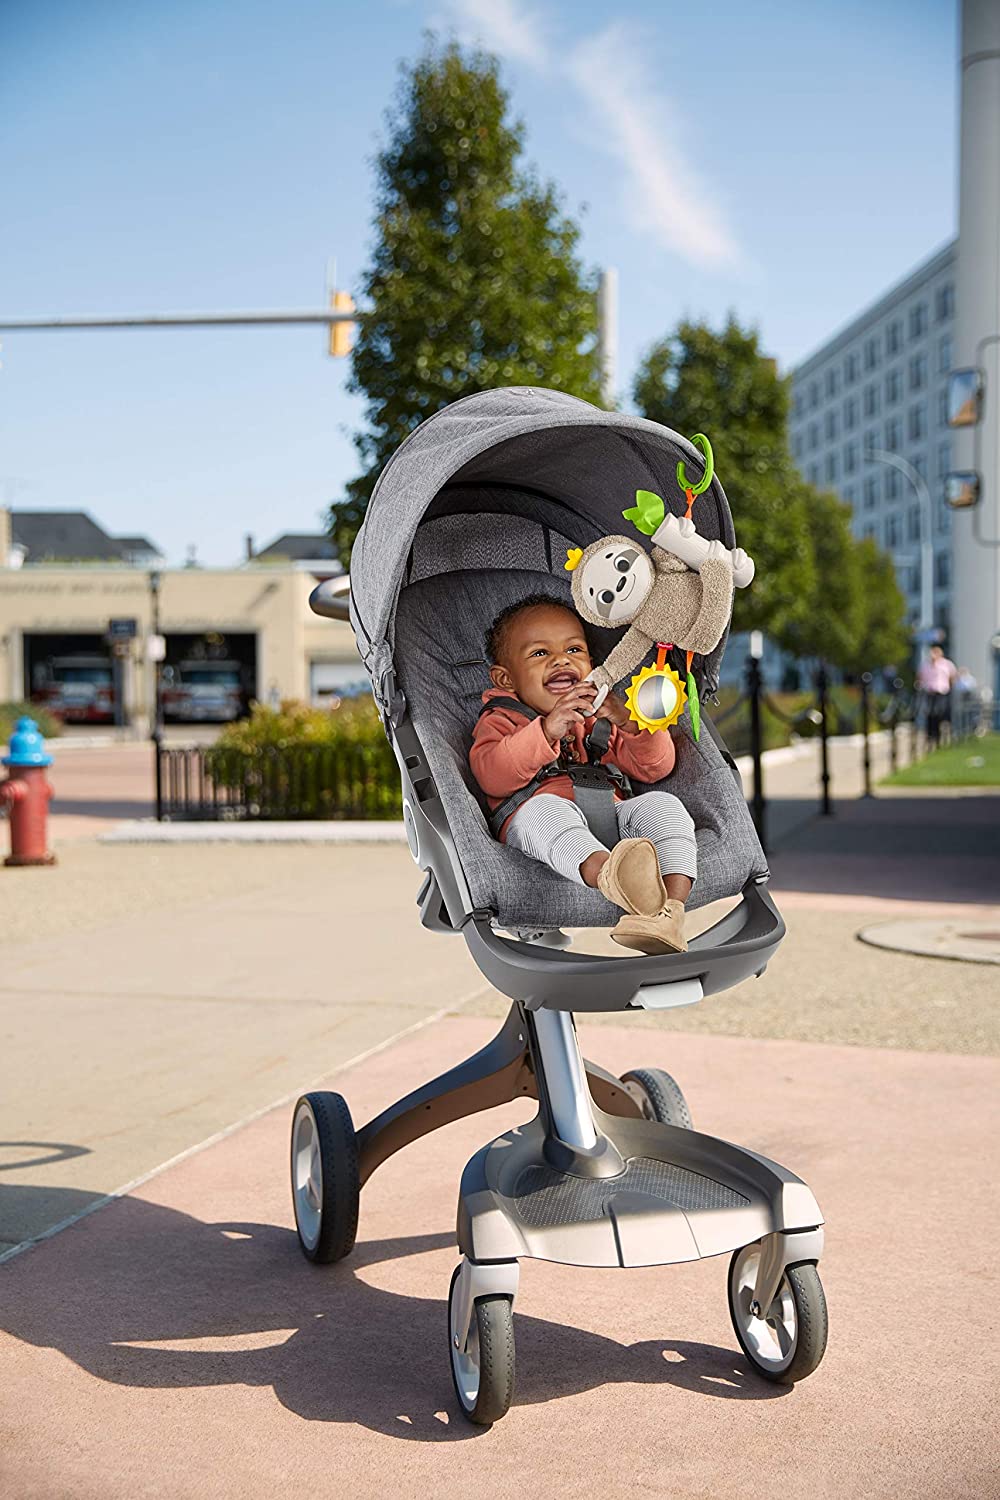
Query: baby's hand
x=573, y=708
x=613, y=708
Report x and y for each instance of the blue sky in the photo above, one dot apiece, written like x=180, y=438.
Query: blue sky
x=784, y=160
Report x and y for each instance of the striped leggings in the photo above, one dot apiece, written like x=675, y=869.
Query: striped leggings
x=553, y=829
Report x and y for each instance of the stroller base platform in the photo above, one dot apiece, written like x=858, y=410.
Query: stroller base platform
x=681, y=1196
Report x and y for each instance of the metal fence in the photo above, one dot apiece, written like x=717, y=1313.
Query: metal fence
x=287, y=782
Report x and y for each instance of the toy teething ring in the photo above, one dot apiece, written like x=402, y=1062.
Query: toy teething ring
x=699, y=441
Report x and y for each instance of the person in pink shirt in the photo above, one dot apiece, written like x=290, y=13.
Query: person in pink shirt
x=934, y=679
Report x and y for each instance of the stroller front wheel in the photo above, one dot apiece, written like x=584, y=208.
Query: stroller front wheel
x=482, y=1355
x=325, y=1187
x=787, y=1341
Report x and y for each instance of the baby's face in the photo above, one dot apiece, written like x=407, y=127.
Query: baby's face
x=544, y=654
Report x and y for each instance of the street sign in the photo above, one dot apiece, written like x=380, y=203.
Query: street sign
x=123, y=630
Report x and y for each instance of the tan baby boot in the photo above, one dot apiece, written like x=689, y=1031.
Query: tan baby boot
x=631, y=878
x=662, y=933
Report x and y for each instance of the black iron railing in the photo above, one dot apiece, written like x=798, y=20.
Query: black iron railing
x=287, y=782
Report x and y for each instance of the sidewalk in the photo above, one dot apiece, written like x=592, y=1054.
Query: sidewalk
x=173, y=1343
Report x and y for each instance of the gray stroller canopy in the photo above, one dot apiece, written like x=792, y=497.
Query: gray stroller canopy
x=519, y=441
x=474, y=511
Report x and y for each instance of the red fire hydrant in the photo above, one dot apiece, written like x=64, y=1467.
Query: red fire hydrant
x=25, y=794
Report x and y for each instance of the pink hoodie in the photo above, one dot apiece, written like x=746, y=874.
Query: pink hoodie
x=507, y=751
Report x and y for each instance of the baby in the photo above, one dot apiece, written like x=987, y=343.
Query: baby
x=539, y=655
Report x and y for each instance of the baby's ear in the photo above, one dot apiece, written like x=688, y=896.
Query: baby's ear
x=500, y=677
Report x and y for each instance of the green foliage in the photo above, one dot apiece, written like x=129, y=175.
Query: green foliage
x=49, y=725
x=817, y=591
x=720, y=383
x=883, y=637
x=475, y=280
x=297, y=761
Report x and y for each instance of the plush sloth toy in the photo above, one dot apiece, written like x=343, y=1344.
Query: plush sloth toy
x=682, y=594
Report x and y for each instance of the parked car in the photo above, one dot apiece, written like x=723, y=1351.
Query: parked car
x=79, y=689
x=203, y=690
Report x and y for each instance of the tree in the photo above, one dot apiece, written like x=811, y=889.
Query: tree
x=883, y=637
x=832, y=624
x=475, y=280
x=698, y=380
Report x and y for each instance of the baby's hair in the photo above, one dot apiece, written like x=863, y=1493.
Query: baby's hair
x=497, y=631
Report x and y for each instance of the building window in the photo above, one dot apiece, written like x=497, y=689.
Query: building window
x=918, y=372
x=893, y=387
x=797, y=446
x=850, y=458
x=892, y=530
x=871, y=401
x=894, y=434
x=851, y=496
x=894, y=337
x=943, y=459
x=919, y=462
x=943, y=516
x=942, y=406
x=871, y=354
x=944, y=302
x=812, y=474
x=944, y=355
x=870, y=492
x=942, y=569
x=892, y=477
x=830, y=426
x=813, y=436
x=850, y=369
x=830, y=468
x=832, y=382
x=850, y=414
x=918, y=320
x=916, y=422
x=871, y=439
x=813, y=394
x=913, y=524
x=868, y=532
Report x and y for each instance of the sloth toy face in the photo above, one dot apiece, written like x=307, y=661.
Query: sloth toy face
x=611, y=581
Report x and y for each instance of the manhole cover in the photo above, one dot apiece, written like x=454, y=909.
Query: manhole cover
x=936, y=939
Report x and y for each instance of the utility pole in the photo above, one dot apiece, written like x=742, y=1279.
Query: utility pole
x=976, y=557
x=607, y=335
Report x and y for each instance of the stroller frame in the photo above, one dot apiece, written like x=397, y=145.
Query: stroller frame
x=609, y=1172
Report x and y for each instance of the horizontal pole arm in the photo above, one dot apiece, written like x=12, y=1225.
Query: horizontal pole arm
x=325, y=316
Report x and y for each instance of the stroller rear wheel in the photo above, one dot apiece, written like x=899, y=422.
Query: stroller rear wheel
x=482, y=1355
x=786, y=1342
x=658, y=1096
x=325, y=1188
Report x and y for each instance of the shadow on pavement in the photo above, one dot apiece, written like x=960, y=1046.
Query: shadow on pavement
x=139, y=1295
x=909, y=848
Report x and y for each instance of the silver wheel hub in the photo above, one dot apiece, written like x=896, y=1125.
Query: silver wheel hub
x=307, y=1176
x=769, y=1337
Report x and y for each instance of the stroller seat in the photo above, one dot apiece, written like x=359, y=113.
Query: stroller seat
x=441, y=622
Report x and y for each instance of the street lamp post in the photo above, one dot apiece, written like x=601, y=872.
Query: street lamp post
x=157, y=734
x=894, y=461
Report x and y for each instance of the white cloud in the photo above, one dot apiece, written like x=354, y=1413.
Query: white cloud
x=502, y=26
x=664, y=195
x=628, y=116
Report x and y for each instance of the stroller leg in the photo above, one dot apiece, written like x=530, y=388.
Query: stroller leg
x=495, y=1075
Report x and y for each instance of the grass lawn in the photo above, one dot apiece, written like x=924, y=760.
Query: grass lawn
x=972, y=763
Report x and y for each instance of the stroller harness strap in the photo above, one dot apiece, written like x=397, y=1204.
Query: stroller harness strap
x=594, y=785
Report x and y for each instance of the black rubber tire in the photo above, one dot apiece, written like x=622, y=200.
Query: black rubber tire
x=812, y=1323
x=338, y=1150
x=658, y=1096
x=495, y=1320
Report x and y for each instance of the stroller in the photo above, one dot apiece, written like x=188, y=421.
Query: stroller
x=475, y=511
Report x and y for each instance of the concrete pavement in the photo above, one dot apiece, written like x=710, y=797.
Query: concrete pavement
x=174, y=1343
